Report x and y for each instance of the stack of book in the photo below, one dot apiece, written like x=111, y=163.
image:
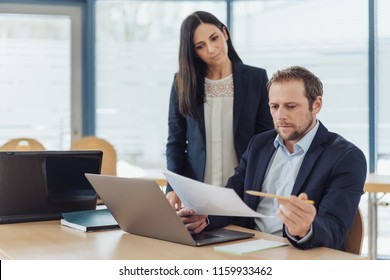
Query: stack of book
x=89, y=220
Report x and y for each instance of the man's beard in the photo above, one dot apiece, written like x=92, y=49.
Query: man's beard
x=297, y=134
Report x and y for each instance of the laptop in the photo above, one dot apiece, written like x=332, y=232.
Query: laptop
x=141, y=208
x=41, y=185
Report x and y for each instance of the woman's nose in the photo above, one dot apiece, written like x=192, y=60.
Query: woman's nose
x=210, y=48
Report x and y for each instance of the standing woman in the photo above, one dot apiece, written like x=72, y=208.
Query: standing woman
x=216, y=105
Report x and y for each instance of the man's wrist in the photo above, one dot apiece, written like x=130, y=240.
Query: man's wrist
x=299, y=239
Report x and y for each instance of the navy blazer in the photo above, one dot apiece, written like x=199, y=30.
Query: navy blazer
x=332, y=174
x=186, y=146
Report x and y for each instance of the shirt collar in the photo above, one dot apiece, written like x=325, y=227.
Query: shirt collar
x=302, y=144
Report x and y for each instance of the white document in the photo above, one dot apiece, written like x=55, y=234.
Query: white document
x=249, y=246
x=208, y=199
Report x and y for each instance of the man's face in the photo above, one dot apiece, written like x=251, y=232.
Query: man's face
x=290, y=110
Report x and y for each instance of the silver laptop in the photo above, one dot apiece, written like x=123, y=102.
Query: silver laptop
x=41, y=185
x=140, y=208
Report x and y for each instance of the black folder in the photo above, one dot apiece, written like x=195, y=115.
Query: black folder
x=89, y=220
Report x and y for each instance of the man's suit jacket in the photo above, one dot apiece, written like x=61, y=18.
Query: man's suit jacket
x=186, y=147
x=332, y=174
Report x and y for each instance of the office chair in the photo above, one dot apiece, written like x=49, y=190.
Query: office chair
x=95, y=143
x=22, y=144
x=354, y=239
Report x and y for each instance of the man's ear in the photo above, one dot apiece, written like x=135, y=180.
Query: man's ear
x=317, y=105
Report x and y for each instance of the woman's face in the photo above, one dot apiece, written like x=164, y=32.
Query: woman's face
x=210, y=44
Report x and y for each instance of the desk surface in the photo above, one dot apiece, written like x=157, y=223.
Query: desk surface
x=377, y=183
x=50, y=240
x=374, y=184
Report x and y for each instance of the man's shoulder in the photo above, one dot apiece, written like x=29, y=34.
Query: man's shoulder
x=337, y=147
x=332, y=139
x=338, y=151
x=336, y=141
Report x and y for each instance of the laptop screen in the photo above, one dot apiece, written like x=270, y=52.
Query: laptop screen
x=40, y=185
x=65, y=177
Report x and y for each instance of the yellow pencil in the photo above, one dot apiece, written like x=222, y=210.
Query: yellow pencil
x=270, y=195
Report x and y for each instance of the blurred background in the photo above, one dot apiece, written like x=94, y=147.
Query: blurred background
x=105, y=68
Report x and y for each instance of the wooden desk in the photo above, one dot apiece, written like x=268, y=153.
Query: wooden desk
x=374, y=184
x=161, y=182
x=157, y=176
x=50, y=240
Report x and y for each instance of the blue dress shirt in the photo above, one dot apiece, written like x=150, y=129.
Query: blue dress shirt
x=280, y=178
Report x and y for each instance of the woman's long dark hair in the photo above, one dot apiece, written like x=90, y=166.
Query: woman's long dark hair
x=192, y=70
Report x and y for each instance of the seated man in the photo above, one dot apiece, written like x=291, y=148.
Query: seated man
x=300, y=159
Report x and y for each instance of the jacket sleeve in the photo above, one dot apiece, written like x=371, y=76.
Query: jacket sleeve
x=177, y=142
x=340, y=200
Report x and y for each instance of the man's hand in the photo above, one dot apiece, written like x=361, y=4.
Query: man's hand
x=194, y=223
x=297, y=214
x=174, y=200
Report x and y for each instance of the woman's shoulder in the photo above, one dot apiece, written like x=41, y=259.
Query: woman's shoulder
x=249, y=68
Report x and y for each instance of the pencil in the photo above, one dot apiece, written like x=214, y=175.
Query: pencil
x=270, y=195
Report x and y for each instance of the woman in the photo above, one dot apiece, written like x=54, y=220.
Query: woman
x=216, y=105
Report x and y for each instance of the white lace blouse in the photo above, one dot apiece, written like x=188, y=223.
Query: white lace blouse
x=221, y=157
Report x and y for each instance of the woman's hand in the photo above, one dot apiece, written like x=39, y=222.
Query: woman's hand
x=174, y=200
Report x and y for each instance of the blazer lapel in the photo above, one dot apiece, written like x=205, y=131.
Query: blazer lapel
x=264, y=162
x=200, y=110
x=259, y=174
x=311, y=157
x=240, y=88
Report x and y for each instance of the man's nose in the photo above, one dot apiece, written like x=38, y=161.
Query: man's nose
x=281, y=114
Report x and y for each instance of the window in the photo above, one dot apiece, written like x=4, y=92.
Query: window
x=300, y=33
x=383, y=86
x=40, y=62
x=137, y=45
x=383, y=118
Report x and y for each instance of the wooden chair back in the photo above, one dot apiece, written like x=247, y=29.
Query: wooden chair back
x=95, y=143
x=354, y=240
x=22, y=144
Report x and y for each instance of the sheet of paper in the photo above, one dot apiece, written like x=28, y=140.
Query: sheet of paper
x=209, y=199
x=249, y=246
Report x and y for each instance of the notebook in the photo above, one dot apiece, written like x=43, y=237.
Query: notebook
x=89, y=220
x=141, y=208
x=41, y=185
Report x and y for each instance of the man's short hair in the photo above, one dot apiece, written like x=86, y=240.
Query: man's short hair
x=313, y=85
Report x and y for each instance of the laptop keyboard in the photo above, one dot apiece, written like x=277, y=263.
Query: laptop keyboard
x=202, y=236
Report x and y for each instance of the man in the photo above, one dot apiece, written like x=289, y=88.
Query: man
x=300, y=159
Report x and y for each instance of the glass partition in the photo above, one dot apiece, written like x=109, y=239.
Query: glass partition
x=35, y=78
x=137, y=45
x=41, y=77
x=301, y=33
x=383, y=83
